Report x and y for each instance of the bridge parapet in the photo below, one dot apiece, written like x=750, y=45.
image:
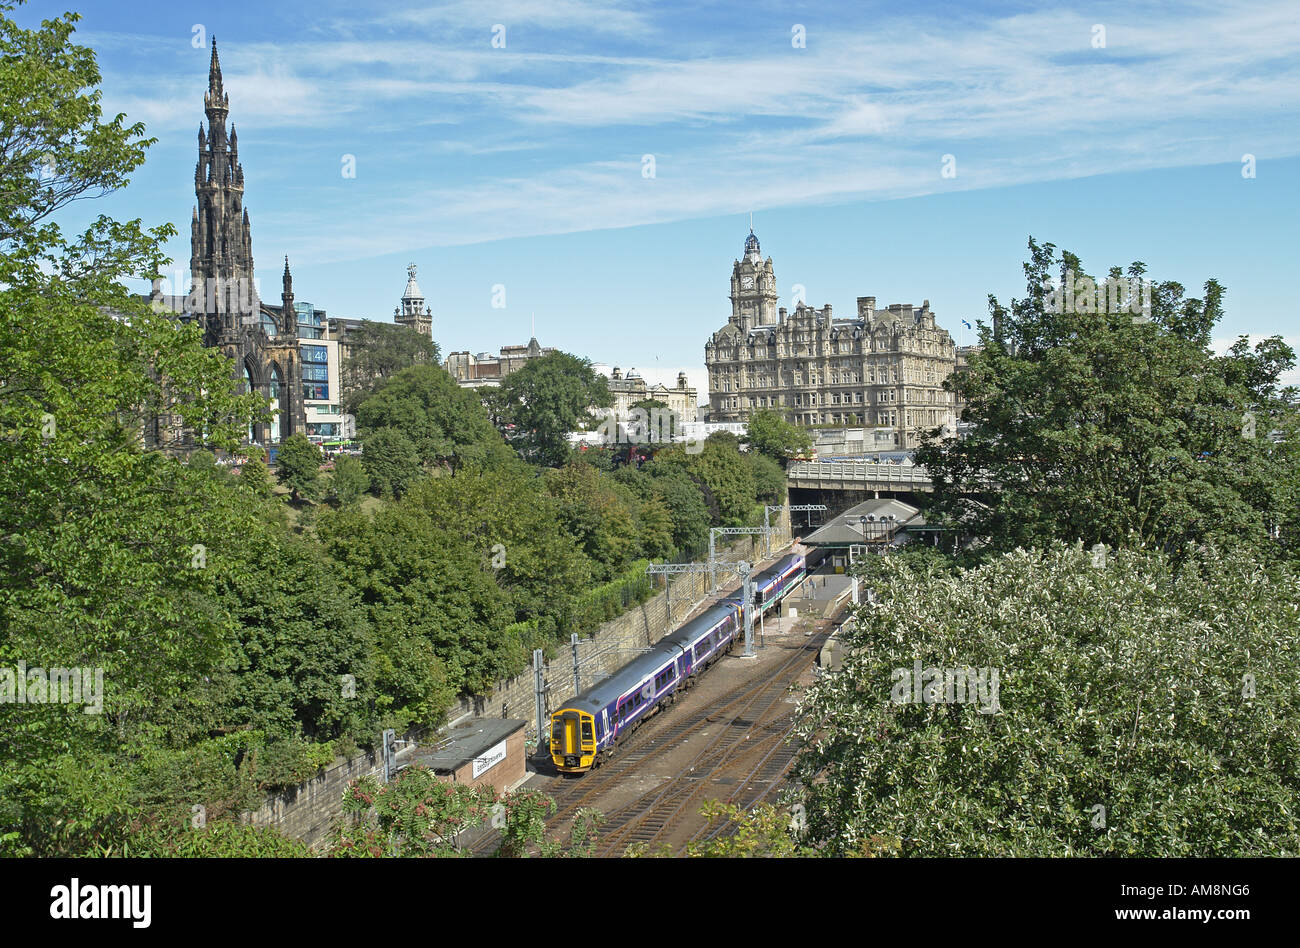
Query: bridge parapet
x=857, y=475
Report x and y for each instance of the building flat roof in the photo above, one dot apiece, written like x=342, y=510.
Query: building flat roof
x=464, y=743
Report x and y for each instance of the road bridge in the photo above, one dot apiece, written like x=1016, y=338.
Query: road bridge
x=858, y=476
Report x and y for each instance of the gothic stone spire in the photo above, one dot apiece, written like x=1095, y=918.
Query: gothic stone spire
x=221, y=245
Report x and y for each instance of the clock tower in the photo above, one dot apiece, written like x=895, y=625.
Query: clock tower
x=753, y=288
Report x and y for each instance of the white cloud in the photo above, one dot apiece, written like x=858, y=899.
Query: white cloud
x=553, y=14
x=858, y=115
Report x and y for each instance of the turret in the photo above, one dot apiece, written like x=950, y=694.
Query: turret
x=289, y=318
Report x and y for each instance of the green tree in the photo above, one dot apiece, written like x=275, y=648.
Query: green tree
x=766, y=831
x=297, y=466
x=349, y=480
x=441, y=637
x=729, y=478
x=226, y=839
x=1090, y=425
x=418, y=815
x=1142, y=708
x=446, y=424
x=769, y=433
x=654, y=529
x=415, y=815
x=769, y=478
x=687, y=508
x=378, y=352
x=203, y=460
x=599, y=516
x=300, y=661
x=545, y=400
x=255, y=477
x=516, y=526
x=391, y=462
x=84, y=367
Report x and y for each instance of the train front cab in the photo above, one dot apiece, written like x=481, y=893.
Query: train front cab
x=573, y=740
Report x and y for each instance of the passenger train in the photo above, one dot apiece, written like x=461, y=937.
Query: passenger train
x=585, y=731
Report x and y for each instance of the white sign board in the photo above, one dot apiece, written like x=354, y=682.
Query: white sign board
x=489, y=759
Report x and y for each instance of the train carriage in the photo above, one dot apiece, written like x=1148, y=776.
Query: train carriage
x=773, y=583
x=707, y=637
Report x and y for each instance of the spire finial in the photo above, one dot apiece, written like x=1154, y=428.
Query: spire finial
x=286, y=263
x=751, y=222
x=410, y=270
x=214, y=69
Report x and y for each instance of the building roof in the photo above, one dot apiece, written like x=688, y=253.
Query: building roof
x=846, y=529
x=464, y=743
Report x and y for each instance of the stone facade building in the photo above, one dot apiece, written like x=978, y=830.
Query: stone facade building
x=882, y=369
x=476, y=371
x=632, y=388
x=410, y=312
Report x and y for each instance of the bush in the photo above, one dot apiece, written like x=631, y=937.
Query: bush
x=613, y=598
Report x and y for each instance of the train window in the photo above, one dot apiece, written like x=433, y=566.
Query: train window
x=586, y=731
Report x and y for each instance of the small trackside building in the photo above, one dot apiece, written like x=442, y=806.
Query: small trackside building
x=482, y=752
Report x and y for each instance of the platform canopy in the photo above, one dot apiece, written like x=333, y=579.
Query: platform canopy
x=848, y=529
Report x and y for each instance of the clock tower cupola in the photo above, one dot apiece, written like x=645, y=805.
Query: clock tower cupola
x=753, y=288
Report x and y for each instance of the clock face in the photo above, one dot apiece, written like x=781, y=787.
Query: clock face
x=747, y=283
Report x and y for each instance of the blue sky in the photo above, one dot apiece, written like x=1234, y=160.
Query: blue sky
x=524, y=165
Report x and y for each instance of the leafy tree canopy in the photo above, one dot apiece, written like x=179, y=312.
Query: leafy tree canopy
x=297, y=465
x=1096, y=426
x=446, y=424
x=379, y=351
x=110, y=557
x=391, y=462
x=1141, y=709
x=348, y=481
x=769, y=433
x=545, y=400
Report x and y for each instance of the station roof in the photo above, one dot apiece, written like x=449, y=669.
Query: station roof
x=846, y=530
x=463, y=743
